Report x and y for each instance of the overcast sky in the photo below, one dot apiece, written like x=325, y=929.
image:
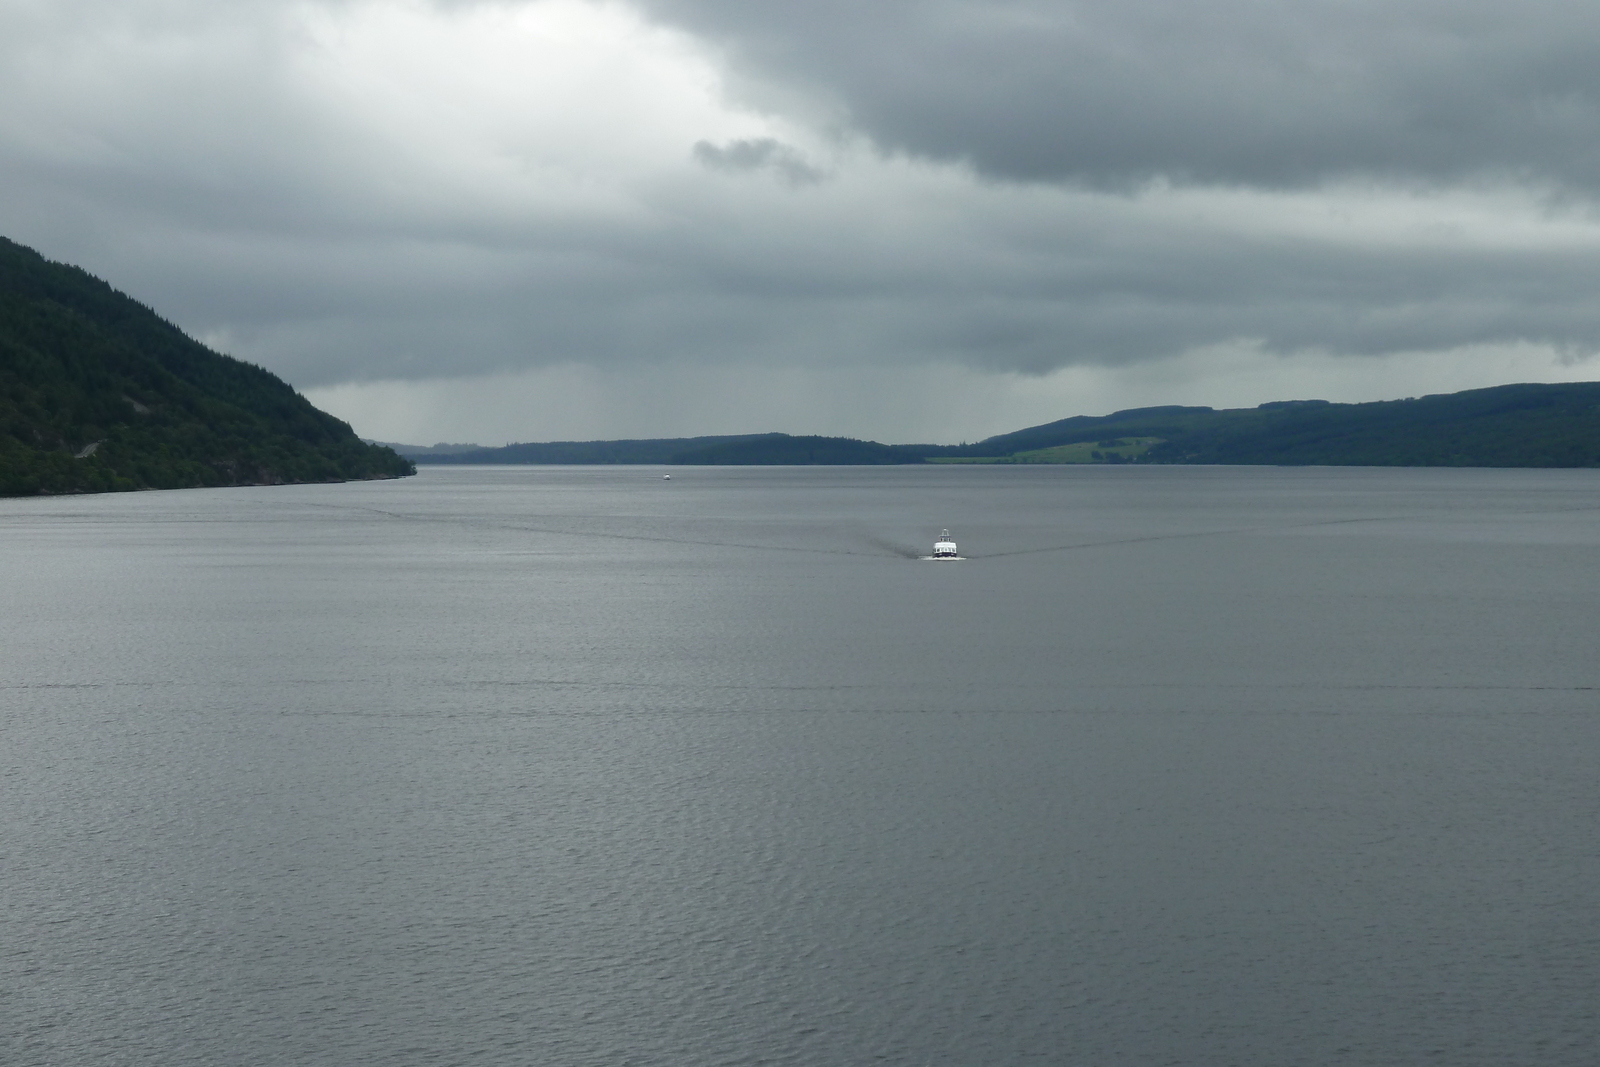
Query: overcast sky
x=911, y=221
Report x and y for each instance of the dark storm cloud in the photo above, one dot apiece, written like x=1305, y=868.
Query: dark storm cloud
x=1095, y=291
x=1110, y=92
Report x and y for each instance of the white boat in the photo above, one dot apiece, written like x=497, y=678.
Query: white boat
x=944, y=548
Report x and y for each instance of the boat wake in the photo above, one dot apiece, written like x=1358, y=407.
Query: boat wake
x=892, y=547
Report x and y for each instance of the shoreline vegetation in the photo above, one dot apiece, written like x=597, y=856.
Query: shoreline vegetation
x=100, y=394
x=1529, y=425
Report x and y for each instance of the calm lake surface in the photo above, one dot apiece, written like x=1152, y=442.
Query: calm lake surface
x=577, y=766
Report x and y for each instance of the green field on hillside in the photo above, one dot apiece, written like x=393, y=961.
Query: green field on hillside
x=1112, y=450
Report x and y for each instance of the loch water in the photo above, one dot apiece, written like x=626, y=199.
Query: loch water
x=581, y=766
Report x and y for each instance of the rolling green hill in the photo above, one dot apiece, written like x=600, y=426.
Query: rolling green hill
x=99, y=393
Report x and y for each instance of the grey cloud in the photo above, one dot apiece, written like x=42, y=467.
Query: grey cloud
x=761, y=153
x=1107, y=292
x=241, y=209
x=1117, y=92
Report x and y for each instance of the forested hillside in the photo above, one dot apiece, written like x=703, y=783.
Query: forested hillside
x=99, y=393
x=1506, y=426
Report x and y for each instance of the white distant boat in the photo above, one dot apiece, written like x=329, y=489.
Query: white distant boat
x=666, y=477
x=944, y=548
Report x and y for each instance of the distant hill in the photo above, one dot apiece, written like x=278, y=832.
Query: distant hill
x=649, y=450
x=1506, y=426
x=780, y=449
x=99, y=393
x=413, y=451
x=652, y=450
x=771, y=449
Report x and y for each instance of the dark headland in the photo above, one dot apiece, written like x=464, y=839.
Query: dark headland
x=1505, y=426
x=98, y=393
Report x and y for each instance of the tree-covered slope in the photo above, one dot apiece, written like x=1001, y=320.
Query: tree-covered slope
x=99, y=393
x=1162, y=422
x=1504, y=426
